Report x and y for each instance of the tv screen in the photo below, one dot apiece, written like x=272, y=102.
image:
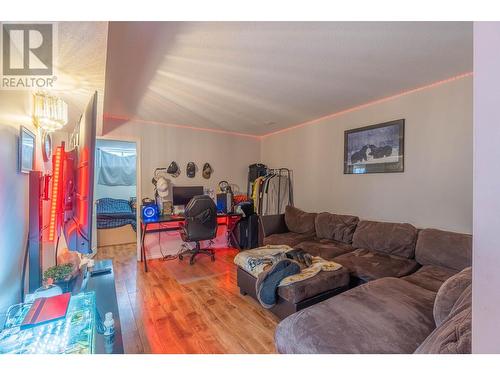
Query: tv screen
x=79, y=182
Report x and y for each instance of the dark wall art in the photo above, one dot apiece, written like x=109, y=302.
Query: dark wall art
x=375, y=149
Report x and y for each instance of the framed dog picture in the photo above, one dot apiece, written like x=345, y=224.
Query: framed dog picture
x=375, y=149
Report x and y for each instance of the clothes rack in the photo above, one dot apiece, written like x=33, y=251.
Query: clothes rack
x=273, y=191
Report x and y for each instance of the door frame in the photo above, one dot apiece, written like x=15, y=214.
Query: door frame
x=138, y=184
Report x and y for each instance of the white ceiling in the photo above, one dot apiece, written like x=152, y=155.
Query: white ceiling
x=258, y=77
x=80, y=64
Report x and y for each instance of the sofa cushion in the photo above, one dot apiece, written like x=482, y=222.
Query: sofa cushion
x=326, y=249
x=322, y=282
x=390, y=238
x=290, y=238
x=298, y=221
x=384, y=316
x=454, y=335
x=335, y=227
x=430, y=277
x=449, y=293
x=445, y=249
x=370, y=265
x=463, y=302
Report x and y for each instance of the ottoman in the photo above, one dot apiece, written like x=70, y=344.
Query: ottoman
x=301, y=294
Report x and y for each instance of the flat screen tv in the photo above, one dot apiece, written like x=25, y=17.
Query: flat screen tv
x=78, y=177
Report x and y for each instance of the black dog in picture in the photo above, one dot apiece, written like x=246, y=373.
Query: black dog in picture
x=360, y=155
x=380, y=152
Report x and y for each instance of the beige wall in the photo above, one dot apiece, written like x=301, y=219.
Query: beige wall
x=229, y=155
x=14, y=187
x=13, y=195
x=434, y=191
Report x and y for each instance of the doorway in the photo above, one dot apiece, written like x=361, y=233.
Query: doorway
x=115, y=193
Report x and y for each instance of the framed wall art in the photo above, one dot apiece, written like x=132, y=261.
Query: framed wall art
x=375, y=149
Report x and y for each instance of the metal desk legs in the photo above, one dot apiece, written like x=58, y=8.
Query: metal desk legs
x=143, y=248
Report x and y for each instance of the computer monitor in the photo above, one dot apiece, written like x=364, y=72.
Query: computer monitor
x=183, y=194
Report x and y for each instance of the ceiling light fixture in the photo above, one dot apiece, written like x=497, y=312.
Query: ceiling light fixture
x=50, y=112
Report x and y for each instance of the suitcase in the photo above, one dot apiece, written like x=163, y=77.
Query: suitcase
x=247, y=232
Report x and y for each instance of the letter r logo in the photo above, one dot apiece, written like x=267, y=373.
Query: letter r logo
x=27, y=49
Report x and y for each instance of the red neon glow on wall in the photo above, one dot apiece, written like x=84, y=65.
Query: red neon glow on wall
x=83, y=188
x=55, y=203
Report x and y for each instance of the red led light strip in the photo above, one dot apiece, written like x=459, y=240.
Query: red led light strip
x=377, y=101
x=109, y=116
x=56, y=190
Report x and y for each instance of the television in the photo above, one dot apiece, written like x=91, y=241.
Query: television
x=181, y=195
x=78, y=182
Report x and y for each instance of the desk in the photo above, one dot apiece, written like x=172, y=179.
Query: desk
x=230, y=220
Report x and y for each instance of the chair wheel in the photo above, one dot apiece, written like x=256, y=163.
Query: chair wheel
x=213, y=258
x=181, y=257
x=191, y=261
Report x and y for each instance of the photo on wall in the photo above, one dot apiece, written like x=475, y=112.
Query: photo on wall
x=375, y=149
x=27, y=140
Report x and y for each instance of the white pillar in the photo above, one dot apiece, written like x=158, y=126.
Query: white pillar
x=486, y=230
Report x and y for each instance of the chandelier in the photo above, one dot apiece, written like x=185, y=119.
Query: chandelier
x=50, y=112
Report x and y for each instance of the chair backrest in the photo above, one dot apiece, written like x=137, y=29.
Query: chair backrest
x=201, y=218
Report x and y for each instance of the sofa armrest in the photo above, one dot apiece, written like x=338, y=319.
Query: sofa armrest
x=272, y=224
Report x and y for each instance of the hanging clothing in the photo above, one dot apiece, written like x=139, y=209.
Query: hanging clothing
x=273, y=192
x=256, y=193
x=277, y=195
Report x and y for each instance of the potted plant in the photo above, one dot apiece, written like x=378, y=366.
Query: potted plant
x=60, y=275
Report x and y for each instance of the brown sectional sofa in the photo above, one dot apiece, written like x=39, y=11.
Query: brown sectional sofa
x=388, y=315
x=333, y=235
x=324, y=234
x=382, y=250
x=428, y=311
x=414, y=297
x=441, y=254
x=290, y=228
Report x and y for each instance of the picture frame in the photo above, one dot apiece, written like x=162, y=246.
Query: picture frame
x=375, y=148
x=46, y=147
x=27, y=148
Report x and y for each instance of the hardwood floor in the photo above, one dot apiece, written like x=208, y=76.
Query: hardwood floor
x=178, y=308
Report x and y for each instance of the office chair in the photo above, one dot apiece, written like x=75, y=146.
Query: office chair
x=200, y=224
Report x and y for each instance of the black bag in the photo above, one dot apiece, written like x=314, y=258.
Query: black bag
x=247, y=232
x=256, y=170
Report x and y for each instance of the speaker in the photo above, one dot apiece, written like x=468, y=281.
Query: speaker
x=225, y=203
x=150, y=213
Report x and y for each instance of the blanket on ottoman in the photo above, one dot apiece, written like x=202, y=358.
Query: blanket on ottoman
x=256, y=261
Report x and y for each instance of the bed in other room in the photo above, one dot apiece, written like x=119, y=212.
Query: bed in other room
x=116, y=221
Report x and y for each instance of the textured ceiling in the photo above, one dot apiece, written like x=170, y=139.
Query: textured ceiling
x=81, y=65
x=80, y=61
x=259, y=77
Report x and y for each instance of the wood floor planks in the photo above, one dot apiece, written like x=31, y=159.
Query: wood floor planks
x=178, y=308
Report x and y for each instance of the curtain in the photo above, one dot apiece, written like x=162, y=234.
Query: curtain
x=116, y=170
